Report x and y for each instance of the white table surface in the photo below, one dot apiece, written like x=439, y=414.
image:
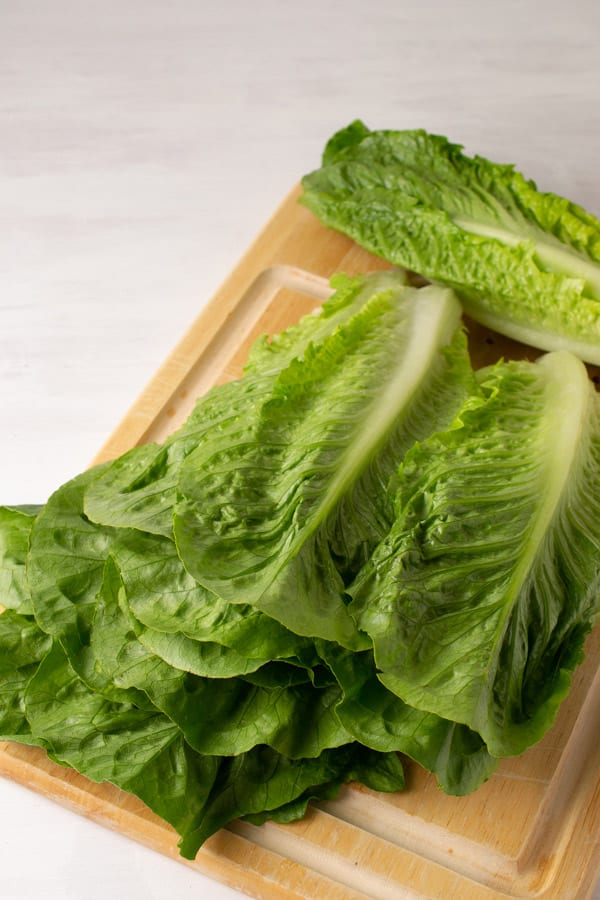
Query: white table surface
x=143, y=144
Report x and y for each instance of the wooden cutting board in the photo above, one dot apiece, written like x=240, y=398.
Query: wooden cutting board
x=532, y=831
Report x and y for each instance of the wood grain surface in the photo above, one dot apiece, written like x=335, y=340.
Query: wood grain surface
x=533, y=830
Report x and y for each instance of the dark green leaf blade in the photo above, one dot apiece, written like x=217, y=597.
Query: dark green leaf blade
x=379, y=719
x=15, y=528
x=22, y=647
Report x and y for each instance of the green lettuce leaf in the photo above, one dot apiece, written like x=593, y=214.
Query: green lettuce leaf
x=65, y=571
x=281, y=505
x=22, y=647
x=65, y=564
x=379, y=719
x=377, y=771
x=479, y=598
x=523, y=262
x=259, y=780
x=15, y=527
x=164, y=597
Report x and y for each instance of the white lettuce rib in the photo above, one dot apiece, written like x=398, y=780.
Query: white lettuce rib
x=568, y=394
x=435, y=316
x=554, y=256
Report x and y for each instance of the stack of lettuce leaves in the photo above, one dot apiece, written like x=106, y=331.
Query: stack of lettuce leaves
x=360, y=550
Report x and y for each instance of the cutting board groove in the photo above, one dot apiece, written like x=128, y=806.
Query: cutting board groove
x=532, y=831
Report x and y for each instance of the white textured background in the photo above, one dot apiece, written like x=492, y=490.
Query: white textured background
x=143, y=144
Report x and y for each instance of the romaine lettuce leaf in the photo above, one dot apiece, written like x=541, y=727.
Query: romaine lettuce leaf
x=65, y=571
x=479, y=598
x=15, y=527
x=262, y=784
x=523, y=262
x=378, y=718
x=22, y=646
x=65, y=563
x=164, y=597
x=280, y=505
